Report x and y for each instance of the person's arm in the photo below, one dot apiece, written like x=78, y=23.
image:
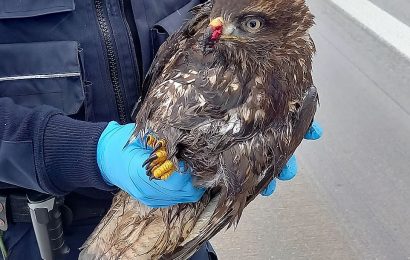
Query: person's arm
x=43, y=150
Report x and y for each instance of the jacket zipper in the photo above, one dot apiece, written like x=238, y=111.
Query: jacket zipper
x=112, y=59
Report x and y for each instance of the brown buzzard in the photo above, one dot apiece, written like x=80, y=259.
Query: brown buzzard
x=230, y=93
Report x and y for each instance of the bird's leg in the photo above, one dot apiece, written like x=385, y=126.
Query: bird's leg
x=157, y=165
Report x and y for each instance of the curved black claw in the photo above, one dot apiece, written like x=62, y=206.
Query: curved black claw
x=153, y=178
x=155, y=155
x=148, y=141
x=149, y=168
x=152, y=158
x=158, y=146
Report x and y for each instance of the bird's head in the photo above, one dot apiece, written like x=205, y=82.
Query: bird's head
x=258, y=29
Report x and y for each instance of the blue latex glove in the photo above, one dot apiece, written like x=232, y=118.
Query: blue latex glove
x=291, y=167
x=122, y=167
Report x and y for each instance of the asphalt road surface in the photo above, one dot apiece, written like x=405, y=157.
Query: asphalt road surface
x=351, y=198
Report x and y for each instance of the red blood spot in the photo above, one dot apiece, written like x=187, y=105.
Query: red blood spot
x=216, y=34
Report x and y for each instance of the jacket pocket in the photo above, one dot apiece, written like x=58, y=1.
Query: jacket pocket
x=170, y=24
x=30, y=8
x=43, y=73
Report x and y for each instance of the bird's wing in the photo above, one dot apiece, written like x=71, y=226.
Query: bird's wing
x=169, y=48
x=159, y=77
x=210, y=224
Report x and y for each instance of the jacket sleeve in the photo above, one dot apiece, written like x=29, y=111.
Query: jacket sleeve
x=43, y=150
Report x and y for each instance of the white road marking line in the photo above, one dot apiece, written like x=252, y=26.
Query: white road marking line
x=384, y=25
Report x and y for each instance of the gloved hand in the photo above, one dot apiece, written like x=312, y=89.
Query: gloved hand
x=291, y=167
x=122, y=167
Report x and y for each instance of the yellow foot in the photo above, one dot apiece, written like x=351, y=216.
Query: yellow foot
x=157, y=165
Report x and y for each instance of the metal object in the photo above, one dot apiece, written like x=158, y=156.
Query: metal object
x=3, y=213
x=48, y=226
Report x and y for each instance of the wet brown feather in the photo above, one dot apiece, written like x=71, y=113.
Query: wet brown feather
x=235, y=114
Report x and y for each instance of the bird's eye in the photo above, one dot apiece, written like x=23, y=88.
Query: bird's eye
x=252, y=24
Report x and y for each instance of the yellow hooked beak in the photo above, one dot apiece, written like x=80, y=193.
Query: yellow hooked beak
x=213, y=33
x=221, y=30
x=216, y=31
x=217, y=23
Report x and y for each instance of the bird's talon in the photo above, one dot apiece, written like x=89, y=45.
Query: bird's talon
x=157, y=148
x=166, y=168
x=160, y=145
x=151, y=159
x=157, y=165
x=154, y=178
x=151, y=140
x=162, y=142
x=149, y=168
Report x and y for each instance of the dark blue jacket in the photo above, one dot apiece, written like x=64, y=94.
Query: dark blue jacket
x=85, y=59
x=63, y=65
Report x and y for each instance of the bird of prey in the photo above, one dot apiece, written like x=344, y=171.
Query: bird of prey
x=231, y=94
